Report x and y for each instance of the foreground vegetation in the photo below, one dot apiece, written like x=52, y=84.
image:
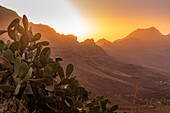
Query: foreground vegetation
x=31, y=81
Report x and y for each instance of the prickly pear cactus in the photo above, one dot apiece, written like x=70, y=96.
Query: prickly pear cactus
x=31, y=81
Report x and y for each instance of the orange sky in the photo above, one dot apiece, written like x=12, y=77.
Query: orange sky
x=110, y=19
x=113, y=19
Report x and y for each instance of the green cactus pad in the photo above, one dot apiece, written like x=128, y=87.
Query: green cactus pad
x=28, y=75
x=36, y=37
x=25, y=22
x=48, y=70
x=23, y=70
x=69, y=70
x=44, y=43
x=15, y=46
x=11, y=34
x=17, y=65
x=43, y=60
x=60, y=72
x=9, y=55
x=13, y=23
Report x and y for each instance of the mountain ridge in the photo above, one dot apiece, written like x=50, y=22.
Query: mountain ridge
x=146, y=47
x=102, y=42
x=95, y=69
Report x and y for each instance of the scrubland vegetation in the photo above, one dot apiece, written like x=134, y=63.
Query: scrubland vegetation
x=31, y=81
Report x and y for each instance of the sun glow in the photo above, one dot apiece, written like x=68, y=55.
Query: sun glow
x=58, y=14
x=110, y=19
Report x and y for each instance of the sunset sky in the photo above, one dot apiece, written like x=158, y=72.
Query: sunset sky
x=110, y=19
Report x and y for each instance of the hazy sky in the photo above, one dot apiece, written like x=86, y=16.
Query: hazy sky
x=58, y=14
x=114, y=19
x=110, y=19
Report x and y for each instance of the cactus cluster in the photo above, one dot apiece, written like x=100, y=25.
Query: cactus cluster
x=31, y=81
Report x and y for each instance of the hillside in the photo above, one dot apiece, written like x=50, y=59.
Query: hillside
x=96, y=70
x=146, y=47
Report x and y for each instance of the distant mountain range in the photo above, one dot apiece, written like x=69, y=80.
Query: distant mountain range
x=98, y=70
x=147, y=47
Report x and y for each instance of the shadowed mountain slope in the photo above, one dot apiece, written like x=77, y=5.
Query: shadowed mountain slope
x=146, y=47
x=96, y=70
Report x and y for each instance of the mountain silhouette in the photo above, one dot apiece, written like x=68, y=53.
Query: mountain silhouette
x=145, y=34
x=102, y=42
x=94, y=68
x=147, y=47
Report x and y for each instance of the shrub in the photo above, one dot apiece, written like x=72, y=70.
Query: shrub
x=31, y=81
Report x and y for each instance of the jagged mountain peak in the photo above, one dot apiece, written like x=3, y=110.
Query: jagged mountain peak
x=102, y=41
x=88, y=41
